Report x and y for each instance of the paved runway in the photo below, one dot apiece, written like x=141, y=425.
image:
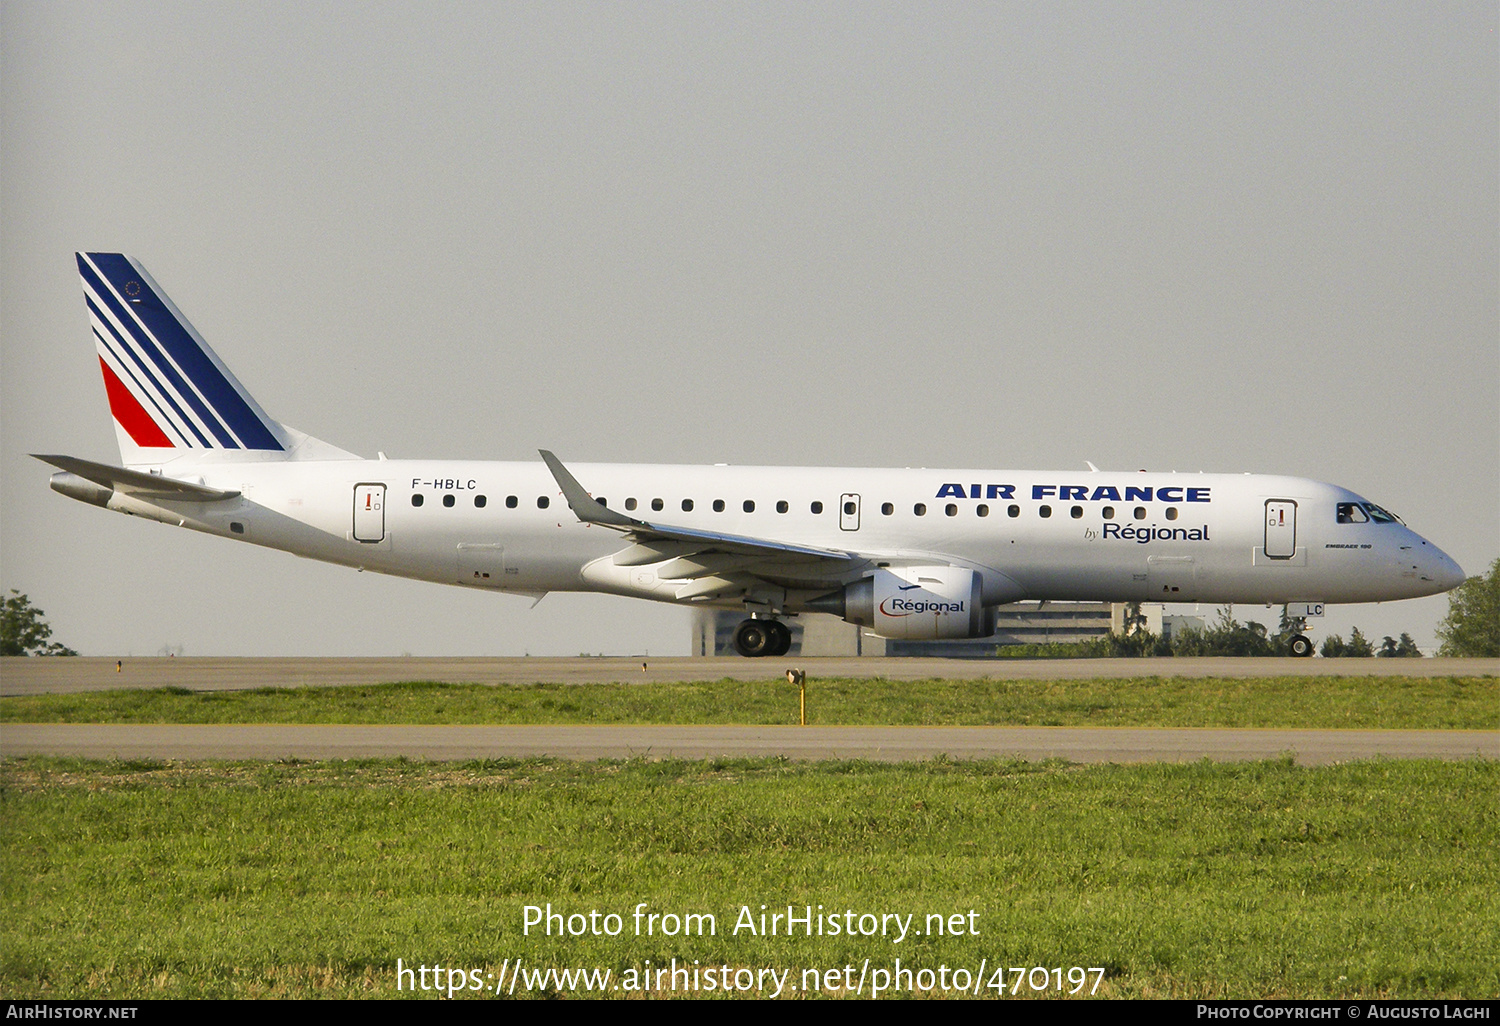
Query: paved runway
x=1080, y=744
x=885, y=744
x=21, y=676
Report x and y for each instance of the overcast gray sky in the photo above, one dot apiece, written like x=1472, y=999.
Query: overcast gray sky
x=1176, y=236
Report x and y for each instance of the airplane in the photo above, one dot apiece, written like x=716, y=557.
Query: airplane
x=915, y=554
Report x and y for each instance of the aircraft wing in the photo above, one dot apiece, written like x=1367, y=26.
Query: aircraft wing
x=134, y=482
x=699, y=554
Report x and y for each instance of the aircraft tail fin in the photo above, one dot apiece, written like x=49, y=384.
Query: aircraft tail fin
x=170, y=394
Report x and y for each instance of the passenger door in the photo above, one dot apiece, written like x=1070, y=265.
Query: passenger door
x=1281, y=528
x=369, y=513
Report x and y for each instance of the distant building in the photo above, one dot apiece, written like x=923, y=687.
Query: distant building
x=1170, y=625
x=1157, y=622
x=1020, y=623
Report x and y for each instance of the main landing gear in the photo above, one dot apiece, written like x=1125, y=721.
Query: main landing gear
x=762, y=638
x=1302, y=646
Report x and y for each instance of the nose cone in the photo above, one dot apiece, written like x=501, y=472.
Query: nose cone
x=1446, y=572
x=1436, y=568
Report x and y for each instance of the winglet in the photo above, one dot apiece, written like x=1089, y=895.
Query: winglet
x=590, y=511
x=580, y=502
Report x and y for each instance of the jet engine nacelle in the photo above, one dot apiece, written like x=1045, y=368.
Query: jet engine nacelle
x=919, y=603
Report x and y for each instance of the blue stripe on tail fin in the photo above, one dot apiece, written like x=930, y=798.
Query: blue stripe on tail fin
x=183, y=385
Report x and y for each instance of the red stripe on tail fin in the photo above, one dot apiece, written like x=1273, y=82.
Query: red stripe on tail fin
x=131, y=415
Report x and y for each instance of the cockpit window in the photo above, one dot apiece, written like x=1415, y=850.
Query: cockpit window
x=1380, y=516
x=1350, y=513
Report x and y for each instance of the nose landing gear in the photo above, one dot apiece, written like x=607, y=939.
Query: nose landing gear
x=762, y=638
x=1302, y=646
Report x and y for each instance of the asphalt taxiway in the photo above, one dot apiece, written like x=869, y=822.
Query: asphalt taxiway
x=1077, y=744
x=883, y=744
x=20, y=676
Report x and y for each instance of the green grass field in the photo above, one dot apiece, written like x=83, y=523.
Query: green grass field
x=1363, y=702
x=287, y=880
x=1375, y=879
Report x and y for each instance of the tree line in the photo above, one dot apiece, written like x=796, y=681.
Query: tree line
x=1471, y=628
x=1228, y=637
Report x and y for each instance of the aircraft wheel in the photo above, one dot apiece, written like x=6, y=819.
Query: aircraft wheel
x=781, y=638
x=1302, y=646
x=751, y=638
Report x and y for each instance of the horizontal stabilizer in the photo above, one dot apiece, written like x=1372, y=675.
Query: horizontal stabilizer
x=134, y=482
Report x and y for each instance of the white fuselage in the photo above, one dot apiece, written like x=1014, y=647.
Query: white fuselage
x=1033, y=535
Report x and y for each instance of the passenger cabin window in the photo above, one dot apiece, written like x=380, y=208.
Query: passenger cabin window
x=1109, y=512
x=480, y=502
x=542, y=502
x=657, y=505
x=1350, y=513
x=601, y=500
x=1140, y=512
x=416, y=500
x=1012, y=511
x=849, y=509
x=951, y=509
x=1077, y=512
x=448, y=501
x=817, y=507
x=511, y=501
x=887, y=508
x=630, y=503
x=1171, y=512
x=687, y=505
x=920, y=509
x=1044, y=512
x=982, y=510
x=718, y=505
x=748, y=505
x=782, y=507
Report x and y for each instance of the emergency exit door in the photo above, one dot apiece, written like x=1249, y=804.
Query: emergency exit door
x=369, y=512
x=1281, y=528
